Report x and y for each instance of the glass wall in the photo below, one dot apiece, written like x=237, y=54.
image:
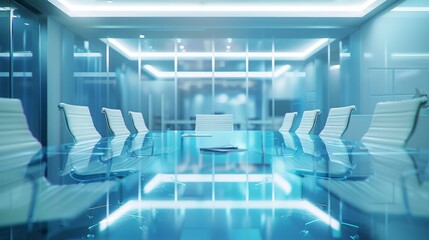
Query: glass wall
x=94, y=86
x=26, y=78
x=5, y=58
x=20, y=65
x=179, y=78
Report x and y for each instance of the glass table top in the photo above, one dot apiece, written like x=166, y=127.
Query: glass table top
x=215, y=185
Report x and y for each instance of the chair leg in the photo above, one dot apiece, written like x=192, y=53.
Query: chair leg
x=120, y=198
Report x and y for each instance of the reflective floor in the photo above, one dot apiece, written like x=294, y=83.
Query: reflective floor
x=218, y=185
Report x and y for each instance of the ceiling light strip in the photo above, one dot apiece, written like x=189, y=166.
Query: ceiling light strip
x=411, y=9
x=214, y=9
x=293, y=56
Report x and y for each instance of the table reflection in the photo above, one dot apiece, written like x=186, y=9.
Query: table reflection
x=260, y=185
x=393, y=185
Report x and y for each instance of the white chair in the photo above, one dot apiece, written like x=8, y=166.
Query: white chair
x=308, y=121
x=216, y=122
x=17, y=144
x=79, y=122
x=27, y=196
x=138, y=121
x=288, y=121
x=115, y=121
x=337, y=122
x=391, y=126
x=393, y=122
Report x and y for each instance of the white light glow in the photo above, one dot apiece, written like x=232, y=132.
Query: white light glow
x=222, y=98
x=121, y=48
x=282, y=183
x=153, y=183
x=335, y=67
x=345, y=55
x=281, y=70
x=292, y=204
x=410, y=55
x=17, y=54
x=154, y=9
x=411, y=9
x=117, y=214
x=156, y=73
x=193, y=178
x=163, y=75
x=294, y=56
x=87, y=54
x=316, y=46
x=199, y=99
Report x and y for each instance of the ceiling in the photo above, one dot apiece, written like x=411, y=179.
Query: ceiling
x=212, y=18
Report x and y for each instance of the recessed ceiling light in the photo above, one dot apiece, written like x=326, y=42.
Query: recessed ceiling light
x=109, y=1
x=228, y=47
x=280, y=9
x=179, y=40
x=26, y=24
x=182, y=47
x=229, y=40
x=141, y=36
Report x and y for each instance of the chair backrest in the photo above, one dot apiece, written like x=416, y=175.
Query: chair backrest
x=308, y=121
x=393, y=122
x=288, y=121
x=138, y=121
x=79, y=122
x=17, y=144
x=115, y=121
x=15, y=137
x=337, y=122
x=216, y=122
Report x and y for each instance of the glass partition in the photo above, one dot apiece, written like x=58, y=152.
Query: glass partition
x=5, y=58
x=172, y=80
x=92, y=82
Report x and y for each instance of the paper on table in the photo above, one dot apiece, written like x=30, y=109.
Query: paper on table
x=227, y=148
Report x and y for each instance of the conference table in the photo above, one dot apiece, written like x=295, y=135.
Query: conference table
x=216, y=185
